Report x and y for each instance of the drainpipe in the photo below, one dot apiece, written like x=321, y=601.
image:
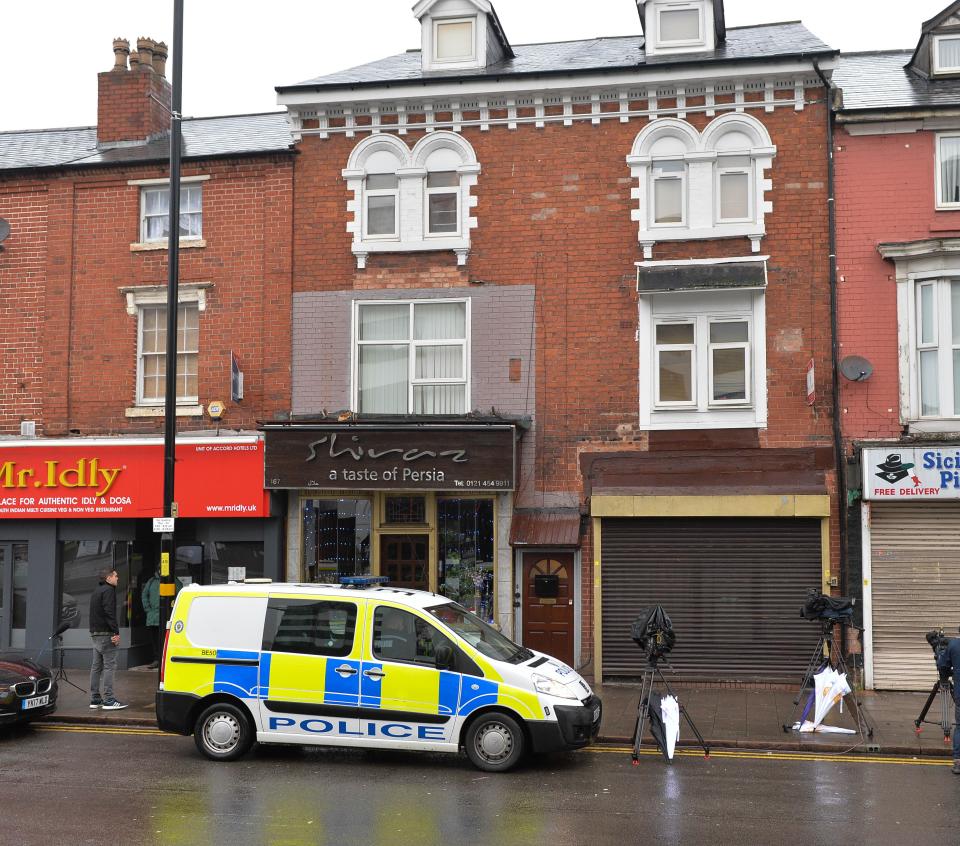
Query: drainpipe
x=841, y=457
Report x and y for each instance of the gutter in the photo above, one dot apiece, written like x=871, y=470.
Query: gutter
x=834, y=339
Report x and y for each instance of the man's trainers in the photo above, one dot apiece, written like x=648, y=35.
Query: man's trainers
x=113, y=705
x=956, y=768
x=96, y=703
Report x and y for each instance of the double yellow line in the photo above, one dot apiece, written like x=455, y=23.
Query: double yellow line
x=795, y=757
x=76, y=729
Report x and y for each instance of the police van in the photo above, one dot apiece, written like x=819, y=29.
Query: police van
x=361, y=664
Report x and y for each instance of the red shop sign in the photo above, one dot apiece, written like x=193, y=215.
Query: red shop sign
x=215, y=477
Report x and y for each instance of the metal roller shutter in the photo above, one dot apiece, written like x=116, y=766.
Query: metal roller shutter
x=915, y=555
x=733, y=588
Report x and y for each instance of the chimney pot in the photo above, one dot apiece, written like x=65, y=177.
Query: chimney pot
x=121, y=49
x=134, y=60
x=160, y=54
x=145, y=49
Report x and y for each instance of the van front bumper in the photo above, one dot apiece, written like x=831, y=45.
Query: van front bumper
x=576, y=726
x=173, y=711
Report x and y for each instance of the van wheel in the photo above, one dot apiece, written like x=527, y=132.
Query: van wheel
x=494, y=743
x=223, y=732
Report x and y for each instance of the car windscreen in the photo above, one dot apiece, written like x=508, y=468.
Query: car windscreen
x=484, y=638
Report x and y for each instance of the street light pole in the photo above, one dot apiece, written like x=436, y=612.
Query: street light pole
x=167, y=547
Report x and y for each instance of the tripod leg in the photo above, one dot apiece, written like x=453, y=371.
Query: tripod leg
x=926, y=707
x=645, y=689
x=945, y=712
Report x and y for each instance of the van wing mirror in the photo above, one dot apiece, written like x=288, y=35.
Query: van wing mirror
x=445, y=657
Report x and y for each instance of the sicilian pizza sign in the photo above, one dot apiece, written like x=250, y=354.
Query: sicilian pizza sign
x=372, y=457
x=921, y=473
x=118, y=478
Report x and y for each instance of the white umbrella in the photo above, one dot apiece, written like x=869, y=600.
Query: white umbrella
x=836, y=687
x=670, y=713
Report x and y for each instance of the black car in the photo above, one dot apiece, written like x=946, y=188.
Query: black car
x=27, y=690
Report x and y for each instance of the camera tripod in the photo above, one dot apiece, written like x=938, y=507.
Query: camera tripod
x=828, y=646
x=61, y=675
x=944, y=688
x=650, y=675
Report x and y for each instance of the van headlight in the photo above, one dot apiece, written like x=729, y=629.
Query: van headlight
x=551, y=688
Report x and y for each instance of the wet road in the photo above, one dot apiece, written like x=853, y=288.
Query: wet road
x=63, y=786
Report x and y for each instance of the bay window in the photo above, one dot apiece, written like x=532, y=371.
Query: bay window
x=382, y=200
x=412, y=357
x=443, y=203
x=938, y=348
x=734, y=178
x=948, y=171
x=669, y=183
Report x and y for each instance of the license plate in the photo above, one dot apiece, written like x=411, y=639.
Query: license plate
x=36, y=702
x=596, y=713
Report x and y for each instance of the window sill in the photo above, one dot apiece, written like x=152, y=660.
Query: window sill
x=935, y=425
x=743, y=418
x=159, y=411
x=460, y=246
x=150, y=246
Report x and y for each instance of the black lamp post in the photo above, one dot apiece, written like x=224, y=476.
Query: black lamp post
x=167, y=547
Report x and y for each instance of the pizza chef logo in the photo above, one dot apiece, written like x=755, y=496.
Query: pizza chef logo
x=893, y=470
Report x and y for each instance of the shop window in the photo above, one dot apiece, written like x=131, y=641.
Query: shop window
x=412, y=357
x=309, y=627
x=19, y=556
x=233, y=561
x=81, y=563
x=466, y=553
x=336, y=538
x=405, y=509
x=401, y=636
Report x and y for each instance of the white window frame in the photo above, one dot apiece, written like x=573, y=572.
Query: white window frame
x=937, y=39
x=942, y=343
x=456, y=191
x=661, y=348
x=703, y=308
x=165, y=187
x=681, y=7
x=746, y=346
x=381, y=192
x=412, y=346
x=682, y=177
x=722, y=169
x=141, y=400
x=938, y=174
x=455, y=60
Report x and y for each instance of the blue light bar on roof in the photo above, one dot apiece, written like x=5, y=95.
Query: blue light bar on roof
x=363, y=581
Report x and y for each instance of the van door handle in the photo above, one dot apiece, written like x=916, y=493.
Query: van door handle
x=375, y=674
x=345, y=670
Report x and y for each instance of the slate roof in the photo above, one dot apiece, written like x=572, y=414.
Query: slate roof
x=768, y=41
x=202, y=138
x=880, y=81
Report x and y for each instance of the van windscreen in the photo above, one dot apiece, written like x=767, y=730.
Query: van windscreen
x=482, y=637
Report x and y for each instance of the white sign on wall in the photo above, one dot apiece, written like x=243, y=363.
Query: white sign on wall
x=912, y=473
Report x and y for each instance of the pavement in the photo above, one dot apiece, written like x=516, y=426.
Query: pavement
x=727, y=717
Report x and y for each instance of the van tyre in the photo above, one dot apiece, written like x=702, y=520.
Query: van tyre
x=495, y=743
x=223, y=732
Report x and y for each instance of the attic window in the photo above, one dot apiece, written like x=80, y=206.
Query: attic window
x=946, y=50
x=680, y=23
x=454, y=40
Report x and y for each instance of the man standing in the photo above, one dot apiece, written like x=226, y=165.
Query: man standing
x=105, y=634
x=948, y=663
x=150, y=595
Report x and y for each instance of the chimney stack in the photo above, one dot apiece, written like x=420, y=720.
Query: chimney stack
x=134, y=102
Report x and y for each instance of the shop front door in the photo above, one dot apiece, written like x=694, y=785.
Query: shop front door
x=548, y=603
x=6, y=594
x=405, y=560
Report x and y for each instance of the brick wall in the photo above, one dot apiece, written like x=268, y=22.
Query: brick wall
x=885, y=193
x=69, y=256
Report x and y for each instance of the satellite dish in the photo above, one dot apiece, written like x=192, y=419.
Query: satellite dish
x=4, y=229
x=856, y=368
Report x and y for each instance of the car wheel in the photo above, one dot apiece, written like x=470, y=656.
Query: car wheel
x=494, y=743
x=223, y=732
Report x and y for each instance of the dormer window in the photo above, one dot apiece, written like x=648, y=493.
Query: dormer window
x=680, y=24
x=946, y=52
x=455, y=40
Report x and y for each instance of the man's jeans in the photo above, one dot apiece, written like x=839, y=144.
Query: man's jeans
x=104, y=663
x=956, y=729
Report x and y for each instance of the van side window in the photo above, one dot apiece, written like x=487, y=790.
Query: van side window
x=310, y=627
x=402, y=636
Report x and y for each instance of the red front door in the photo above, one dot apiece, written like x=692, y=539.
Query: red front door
x=548, y=603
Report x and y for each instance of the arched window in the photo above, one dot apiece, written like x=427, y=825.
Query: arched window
x=412, y=200
x=694, y=186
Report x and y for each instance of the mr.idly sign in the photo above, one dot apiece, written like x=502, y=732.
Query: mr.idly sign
x=913, y=473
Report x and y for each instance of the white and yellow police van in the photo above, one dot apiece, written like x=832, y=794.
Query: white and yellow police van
x=361, y=664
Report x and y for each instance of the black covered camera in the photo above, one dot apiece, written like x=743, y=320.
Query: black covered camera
x=819, y=606
x=653, y=632
x=939, y=643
